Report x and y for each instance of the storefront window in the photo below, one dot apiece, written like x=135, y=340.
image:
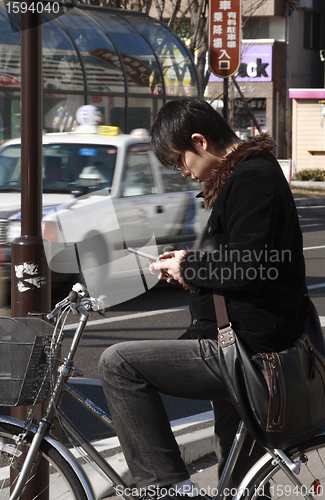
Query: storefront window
x=243, y=123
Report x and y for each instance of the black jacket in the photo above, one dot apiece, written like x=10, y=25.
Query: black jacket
x=258, y=260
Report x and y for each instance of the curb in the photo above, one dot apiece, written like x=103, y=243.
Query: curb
x=308, y=202
x=193, y=446
x=318, y=184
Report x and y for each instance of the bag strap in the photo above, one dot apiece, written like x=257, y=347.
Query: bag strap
x=226, y=335
x=220, y=308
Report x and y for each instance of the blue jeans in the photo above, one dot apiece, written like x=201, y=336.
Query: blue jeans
x=133, y=374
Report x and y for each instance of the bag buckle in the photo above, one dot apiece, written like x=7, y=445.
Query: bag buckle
x=226, y=336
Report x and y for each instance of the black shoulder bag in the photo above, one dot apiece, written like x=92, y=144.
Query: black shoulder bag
x=279, y=395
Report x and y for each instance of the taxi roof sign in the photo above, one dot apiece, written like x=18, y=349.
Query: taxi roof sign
x=108, y=130
x=224, y=37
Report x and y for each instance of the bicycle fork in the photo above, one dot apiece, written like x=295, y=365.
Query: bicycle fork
x=290, y=469
x=280, y=458
x=29, y=461
x=42, y=427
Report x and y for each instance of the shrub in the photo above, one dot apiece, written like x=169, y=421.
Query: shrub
x=310, y=174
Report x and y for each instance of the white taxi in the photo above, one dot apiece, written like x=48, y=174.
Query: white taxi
x=103, y=192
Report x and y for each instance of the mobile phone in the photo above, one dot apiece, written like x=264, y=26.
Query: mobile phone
x=143, y=254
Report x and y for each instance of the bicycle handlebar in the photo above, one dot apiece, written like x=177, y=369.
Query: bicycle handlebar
x=79, y=295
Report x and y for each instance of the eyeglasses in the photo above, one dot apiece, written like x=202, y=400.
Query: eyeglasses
x=177, y=166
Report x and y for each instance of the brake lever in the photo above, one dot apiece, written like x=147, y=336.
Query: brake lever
x=95, y=305
x=57, y=308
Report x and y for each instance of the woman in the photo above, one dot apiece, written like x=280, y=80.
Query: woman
x=258, y=264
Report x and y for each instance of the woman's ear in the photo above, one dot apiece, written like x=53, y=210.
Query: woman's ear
x=199, y=141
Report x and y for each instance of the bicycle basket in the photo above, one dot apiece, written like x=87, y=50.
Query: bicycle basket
x=24, y=360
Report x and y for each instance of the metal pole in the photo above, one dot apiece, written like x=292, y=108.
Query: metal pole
x=248, y=109
x=225, y=99
x=30, y=275
x=288, y=146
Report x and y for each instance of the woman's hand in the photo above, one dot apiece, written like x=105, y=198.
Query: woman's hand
x=168, y=267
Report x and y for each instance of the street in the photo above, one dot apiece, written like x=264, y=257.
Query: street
x=145, y=317
x=312, y=222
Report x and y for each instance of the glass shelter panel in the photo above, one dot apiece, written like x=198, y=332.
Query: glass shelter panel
x=178, y=69
x=102, y=64
x=10, y=72
x=59, y=111
x=112, y=109
x=9, y=115
x=142, y=112
x=140, y=64
x=61, y=64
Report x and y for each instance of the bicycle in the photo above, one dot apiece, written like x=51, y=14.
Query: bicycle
x=295, y=473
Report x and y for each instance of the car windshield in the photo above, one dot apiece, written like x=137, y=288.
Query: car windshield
x=66, y=167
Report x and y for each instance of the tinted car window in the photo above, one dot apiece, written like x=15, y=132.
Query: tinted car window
x=65, y=166
x=173, y=181
x=138, y=178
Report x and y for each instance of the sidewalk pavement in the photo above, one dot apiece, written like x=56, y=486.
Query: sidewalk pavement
x=196, y=446
x=308, y=202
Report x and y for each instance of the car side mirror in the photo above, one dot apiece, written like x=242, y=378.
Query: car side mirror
x=80, y=191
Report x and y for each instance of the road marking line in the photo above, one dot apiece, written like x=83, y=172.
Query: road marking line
x=312, y=287
x=322, y=320
x=310, y=225
x=128, y=316
x=313, y=248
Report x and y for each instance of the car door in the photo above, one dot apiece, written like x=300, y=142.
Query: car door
x=185, y=214
x=139, y=207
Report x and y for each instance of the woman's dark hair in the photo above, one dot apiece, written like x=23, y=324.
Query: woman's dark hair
x=177, y=120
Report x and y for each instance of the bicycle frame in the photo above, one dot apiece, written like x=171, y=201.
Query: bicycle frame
x=41, y=431
x=82, y=441
x=65, y=370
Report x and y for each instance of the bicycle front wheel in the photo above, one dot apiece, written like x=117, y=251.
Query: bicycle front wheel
x=54, y=477
x=272, y=483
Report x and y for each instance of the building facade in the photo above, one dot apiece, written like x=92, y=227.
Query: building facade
x=308, y=128
x=281, y=47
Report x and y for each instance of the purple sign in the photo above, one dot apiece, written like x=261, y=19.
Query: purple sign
x=256, y=64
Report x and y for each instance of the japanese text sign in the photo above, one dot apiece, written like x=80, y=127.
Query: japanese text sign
x=224, y=37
